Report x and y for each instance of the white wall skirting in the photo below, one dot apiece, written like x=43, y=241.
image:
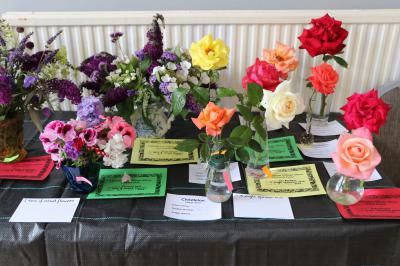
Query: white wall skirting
x=373, y=45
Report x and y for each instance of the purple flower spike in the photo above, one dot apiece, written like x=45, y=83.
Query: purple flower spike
x=5, y=90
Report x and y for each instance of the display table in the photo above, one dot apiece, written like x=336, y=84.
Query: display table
x=135, y=232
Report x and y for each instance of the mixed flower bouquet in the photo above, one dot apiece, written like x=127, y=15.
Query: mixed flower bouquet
x=170, y=77
x=90, y=138
x=27, y=79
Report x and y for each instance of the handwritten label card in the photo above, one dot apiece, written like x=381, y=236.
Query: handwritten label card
x=331, y=169
x=319, y=150
x=160, y=152
x=331, y=128
x=45, y=210
x=191, y=208
x=382, y=203
x=292, y=181
x=248, y=206
x=198, y=173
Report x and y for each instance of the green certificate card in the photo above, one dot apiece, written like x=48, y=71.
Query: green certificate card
x=160, y=152
x=292, y=181
x=283, y=149
x=145, y=182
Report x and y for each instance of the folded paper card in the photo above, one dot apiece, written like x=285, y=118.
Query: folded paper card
x=32, y=168
x=331, y=128
x=291, y=181
x=250, y=206
x=331, y=169
x=45, y=210
x=160, y=152
x=283, y=149
x=321, y=150
x=145, y=182
x=191, y=208
x=198, y=173
x=381, y=203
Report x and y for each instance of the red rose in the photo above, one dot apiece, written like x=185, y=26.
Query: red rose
x=324, y=78
x=325, y=37
x=262, y=73
x=365, y=110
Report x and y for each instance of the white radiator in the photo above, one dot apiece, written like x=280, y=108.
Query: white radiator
x=373, y=45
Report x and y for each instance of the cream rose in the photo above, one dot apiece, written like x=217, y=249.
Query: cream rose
x=281, y=106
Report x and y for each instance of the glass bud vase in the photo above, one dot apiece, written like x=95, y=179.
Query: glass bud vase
x=218, y=179
x=345, y=190
x=12, y=140
x=90, y=172
x=258, y=160
x=160, y=123
x=321, y=106
x=307, y=138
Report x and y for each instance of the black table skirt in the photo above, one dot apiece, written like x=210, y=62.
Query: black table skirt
x=135, y=232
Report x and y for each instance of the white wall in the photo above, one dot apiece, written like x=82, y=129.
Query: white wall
x=373, y=45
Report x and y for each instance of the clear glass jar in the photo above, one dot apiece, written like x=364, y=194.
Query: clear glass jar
x=160, y=123
x=321, y=106
x=345, y=190
x=218, y=179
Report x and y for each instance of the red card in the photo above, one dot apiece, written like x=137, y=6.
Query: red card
x=381, y=203
x=32, y=168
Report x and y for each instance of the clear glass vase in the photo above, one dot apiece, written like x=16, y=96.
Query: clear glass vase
x=155, y=126
x=258, y=160
x=12, y=139
x=218, y=179
x=307, y=138
x=321, y=106
x=345, y=190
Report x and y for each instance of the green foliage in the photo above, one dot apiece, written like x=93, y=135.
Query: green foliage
x=225, y=92
x=201, y=95
x=188, y=145
x=178, y=100
x=254, y=93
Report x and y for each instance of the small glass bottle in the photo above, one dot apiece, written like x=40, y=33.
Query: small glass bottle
x=345, y=190
x=218, y=179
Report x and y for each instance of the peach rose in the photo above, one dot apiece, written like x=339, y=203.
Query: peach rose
x=282, y=57
x=324, y=78
x=356, y=155
x=213, y=118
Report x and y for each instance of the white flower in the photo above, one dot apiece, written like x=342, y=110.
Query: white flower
x=173, y=79
x=185, y=65
x=166, y=78
x=117, y=84
x=114, y=150
x=118, y=71
x=133, y=76
x=186, y=86
x=204, y=78
x=172, y=86
x=157, y=69
x=127, y=80
x=182, y=74
x=171, y=66
x=193, y=80
x=281, y=106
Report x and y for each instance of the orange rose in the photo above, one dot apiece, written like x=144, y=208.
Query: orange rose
x=282, y=57
x=324, y=78
x=213, y=118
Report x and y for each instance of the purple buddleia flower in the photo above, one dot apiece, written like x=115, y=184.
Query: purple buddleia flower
x=20, y=29
x=115, y=36
x=89, y=110
x=5, y=90
x=52, y=38
x=114, y=96
x=50, y=56
x=31, y=62
x=29, y=81
x=65, y=89
x=169, y=56
x=70, y=150
x=154, y=46
x=140, y=54
x=192, y=105
x=131, y=93
x=153, y=80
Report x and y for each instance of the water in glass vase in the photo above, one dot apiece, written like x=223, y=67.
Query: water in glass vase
x=345, y=190
x=258, y=160
x=321, y=106
x=216, y=187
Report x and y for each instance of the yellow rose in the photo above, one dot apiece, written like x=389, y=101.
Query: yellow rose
x=209, y=54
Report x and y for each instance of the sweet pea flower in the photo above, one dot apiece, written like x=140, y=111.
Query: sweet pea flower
x=356, y=155
x=213, y=118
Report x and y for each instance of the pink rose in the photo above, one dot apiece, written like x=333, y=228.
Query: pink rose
x=89, y=136
x=356, y=155
x=127, y=132
x=262, y=73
